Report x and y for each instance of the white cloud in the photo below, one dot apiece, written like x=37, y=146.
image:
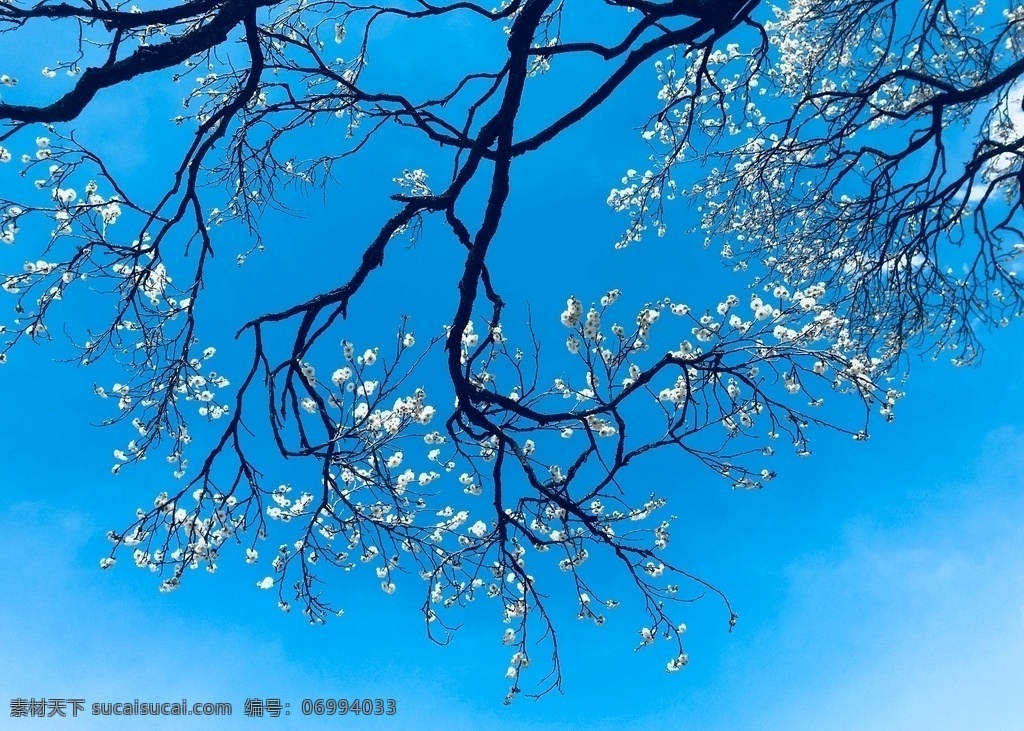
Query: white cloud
x=915, y=623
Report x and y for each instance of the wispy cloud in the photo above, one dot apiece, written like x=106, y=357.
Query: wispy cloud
x=914, y=622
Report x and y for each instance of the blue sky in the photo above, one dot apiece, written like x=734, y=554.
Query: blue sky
x=880, y=585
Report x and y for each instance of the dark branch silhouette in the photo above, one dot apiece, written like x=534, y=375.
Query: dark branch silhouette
x=861, y=161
